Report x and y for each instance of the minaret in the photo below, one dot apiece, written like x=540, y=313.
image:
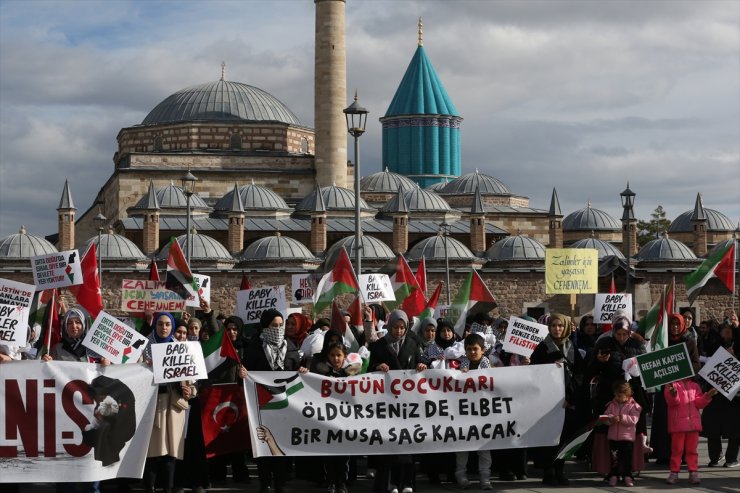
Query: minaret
x=235, y=242
x=66, y=228
x=400, y=223
x=151, y=221
x=330, y=94
x=555, y=218
x=318, y=223
x=699, y=223
x=478, y=224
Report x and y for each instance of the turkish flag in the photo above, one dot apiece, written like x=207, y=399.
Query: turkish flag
x=223, y=412
x=88, y=293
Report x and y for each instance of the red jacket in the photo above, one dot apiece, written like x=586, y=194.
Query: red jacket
x=683, y=407
x=629, y=414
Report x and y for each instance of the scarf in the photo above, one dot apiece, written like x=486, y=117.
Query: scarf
x=71, y=345
x=275, y=346
x=155, y=339
x=566, y=332
x=393, y=343
x=682, y=324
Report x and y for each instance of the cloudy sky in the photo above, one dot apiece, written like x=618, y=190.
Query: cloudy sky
x=579, y=95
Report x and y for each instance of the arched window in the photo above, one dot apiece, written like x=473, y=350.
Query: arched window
x=304, y=145
x=235, y=142
x=158, y=143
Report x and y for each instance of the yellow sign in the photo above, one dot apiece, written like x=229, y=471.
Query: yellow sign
x=571, y=270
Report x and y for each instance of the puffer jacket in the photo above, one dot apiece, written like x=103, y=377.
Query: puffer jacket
x=629, y=413
x=684, y=406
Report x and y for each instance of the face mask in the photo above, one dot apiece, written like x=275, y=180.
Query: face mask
x=274, y=335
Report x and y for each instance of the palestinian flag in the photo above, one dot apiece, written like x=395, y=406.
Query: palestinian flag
x=355, y=325
x=178, y=271
x=720, y=265
x=217, y=350
x=276, y=397
x=431, y=306
x=571, y=447
x=421, y=276
x=409, y=296
x=88, y=293
x=47, y=316
x=472, y=298
x=153, y=272
x=654, y=326
x=340, y=280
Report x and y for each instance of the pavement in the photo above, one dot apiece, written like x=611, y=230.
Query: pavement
x=716, y=479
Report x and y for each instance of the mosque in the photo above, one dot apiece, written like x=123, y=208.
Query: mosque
x=272, y=198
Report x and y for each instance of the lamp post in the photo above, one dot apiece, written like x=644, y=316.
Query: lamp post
x=444, y=228
x=188, y=188
x=100, y=220
x=628, y=217
x=356, y=117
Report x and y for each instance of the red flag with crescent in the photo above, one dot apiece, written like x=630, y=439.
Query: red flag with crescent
x=223, y=413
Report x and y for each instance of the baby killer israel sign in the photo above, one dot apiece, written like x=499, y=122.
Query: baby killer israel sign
x=571, y=270
x=178, y=361
x=114, y=340
x=137, y=295
x=376, y=288
x=404, y=412
x=522, y=336
x=606, y=304
x=57, y=270
x=722, y=371
x=250, y=303
x=665, y=366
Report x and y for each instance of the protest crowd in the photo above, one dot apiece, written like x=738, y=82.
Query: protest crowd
x=603, y=394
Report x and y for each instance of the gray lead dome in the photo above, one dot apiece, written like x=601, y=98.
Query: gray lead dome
x=516, y=248
x=665, y=249
x=254, y=197
x=605, y=248
x=716, y=221
x=276, y=248
x=23, y=246
x=220, y=101
x=590, y=219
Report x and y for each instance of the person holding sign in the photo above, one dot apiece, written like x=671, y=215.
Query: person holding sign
x=74, y=327
x=684, y=399
x=167, y=442
x=557, y=348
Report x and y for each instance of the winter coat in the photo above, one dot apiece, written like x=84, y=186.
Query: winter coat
x=168, y=430
x=408, y=356
x=684, y=405
x=629, y=414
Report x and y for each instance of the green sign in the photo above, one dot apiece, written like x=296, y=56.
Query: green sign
x=665, y=366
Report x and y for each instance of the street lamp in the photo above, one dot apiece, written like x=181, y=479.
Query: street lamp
x=356, y=117
x=100, y=220
x=628, y=217
x=188, y=188
x=444, y=229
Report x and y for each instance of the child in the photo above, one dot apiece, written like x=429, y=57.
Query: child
x=684, y=398
x=336, y=468
x=474, y=360
x=623, y=413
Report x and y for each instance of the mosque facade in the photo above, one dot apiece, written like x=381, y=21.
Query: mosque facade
x=272, y=198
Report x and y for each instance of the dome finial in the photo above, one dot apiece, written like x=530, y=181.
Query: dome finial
x=421, y=33
x=223, y=70
x=588, y=204
x=22, y=230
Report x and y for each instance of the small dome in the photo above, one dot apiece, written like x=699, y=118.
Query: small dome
x=254, y=197
x=466, y=185
x=437, y=187
x=172, y=197
x=335, y=199
x=716, y=221
x=604, y=247
x=514, y=248
x=204, y=248
x=418, y=200
x=385, y=182
x=115, y=247
x=221, y=101
x=590, y=219
x=276, y=248
x=24, y=246
x=433, y=248
x=372, y=249
x=665, y=249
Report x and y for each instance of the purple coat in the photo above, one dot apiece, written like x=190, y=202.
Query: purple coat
x=683, y=407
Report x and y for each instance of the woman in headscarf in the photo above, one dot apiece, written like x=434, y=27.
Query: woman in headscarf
x=167, y=443
x=444, y=338
x=660, y=440
x=297, y=327
x=605, y=367
x=557, y=348
x=74, y=328
x=269, y=350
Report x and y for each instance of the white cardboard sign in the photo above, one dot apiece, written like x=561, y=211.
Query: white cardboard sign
x=114, y=340
x=303, y=288
x=178, y=361
x=376, y=287
x=13, y=325
x=57, y=270
x=16, y=293
x=250, y=303
x=606, y=304
x=440, y=311
x=722, y=371
x=522, y=336
x=204, y=291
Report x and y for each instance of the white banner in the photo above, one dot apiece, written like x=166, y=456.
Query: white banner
x=606, y=304
x=57, y=270
x=522, y=336
x=303, y=288
x=722, y=371
x=250, y=303
x=16, y=293
x=114, y=340
x=376, y=287
x=404, y=411
x=204, y=291
x=178, y=361
x=49, y=432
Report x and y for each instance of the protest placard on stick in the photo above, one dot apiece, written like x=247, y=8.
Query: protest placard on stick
x=571, y=270
x=204, y=291
x=522, y=336
x=57, y=270
x=250, y=303
x=303, y=288
x=114, y=340
x=665, y=366
x=137, y=295
x=13, y=325
x=605, y=304
x=722, y=371
x=16, y=293
x=376, y=287
x=178, y=361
